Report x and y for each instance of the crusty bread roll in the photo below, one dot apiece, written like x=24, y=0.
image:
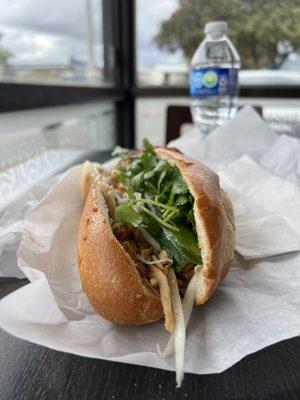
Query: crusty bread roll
x=214, y=221
x=109, y=275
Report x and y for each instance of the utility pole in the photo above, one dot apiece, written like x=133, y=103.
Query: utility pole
x=91, y=65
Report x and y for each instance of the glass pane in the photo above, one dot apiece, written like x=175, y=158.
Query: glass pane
x=266, y=34
x=283, y=115
x=38, y=143
x=151, y=118
x=59, y=42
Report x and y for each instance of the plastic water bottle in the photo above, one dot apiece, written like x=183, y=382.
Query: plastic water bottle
x=214, y=78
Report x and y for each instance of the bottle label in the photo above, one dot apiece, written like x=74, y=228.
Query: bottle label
x=213, y=82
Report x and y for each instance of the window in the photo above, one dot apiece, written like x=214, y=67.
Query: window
x=61, y=81
x=55, y=53
x=38, y=143
x=54, y=42
x=156, y=66
x=131, y=53
x=266, y=34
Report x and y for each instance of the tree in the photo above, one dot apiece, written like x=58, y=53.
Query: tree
x=256, y=27
x=4, y=54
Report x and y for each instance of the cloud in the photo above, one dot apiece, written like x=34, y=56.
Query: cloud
x=59, y=17
x=49, y=32
x=42, y=48
x=149, y=16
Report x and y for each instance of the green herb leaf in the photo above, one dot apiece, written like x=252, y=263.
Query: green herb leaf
x=147, y=145
x=179, y=186
x=135, y=166
x=158, y=167
x=182, y=200
x=158, y=219
x=126, y=213
x=171, y=198
x=119, y=151
x=131, y=192
x=179, y=259
x=153, y=227
x=161, y=178
x=137, y=180
x=191, y=218
x=148, y=157
x=185, y=243
x=166, y=205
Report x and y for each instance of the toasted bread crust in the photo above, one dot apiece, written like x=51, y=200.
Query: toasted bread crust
x=108, y=274
x=214, y=221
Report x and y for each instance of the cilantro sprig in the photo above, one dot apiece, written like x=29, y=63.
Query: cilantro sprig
x=127, y=213
x=159, y=200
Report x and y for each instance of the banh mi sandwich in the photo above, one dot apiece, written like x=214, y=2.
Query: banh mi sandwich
x=156, y=236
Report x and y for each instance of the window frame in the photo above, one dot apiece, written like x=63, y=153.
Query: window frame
x=245, y=91
x=119, y=33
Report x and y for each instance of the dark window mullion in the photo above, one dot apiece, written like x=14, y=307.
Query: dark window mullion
x=125, y=40
x=245, y=91
x=16, y=96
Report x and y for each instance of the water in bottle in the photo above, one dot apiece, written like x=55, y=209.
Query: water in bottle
x=214, y=78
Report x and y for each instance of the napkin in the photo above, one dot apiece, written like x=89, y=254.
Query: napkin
x=251, y=161
x=247, y=133
x=267, y=211
x=283, y=158
x=256, y=305
x=11, y=225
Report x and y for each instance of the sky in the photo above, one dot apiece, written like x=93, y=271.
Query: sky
x=150, y=13
x=47, y=32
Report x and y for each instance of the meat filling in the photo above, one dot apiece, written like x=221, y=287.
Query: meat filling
x=133, y=241
x=151, y=263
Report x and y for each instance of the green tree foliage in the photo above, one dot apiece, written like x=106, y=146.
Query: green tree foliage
x=4, y=54
x=256, y=27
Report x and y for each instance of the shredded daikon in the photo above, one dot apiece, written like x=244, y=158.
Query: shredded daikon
x=150, y=239
x=179, y=331
x=165, y=296
x=187, y=306
x=168, y=260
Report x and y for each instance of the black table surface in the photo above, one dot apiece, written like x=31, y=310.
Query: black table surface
x=29, y=371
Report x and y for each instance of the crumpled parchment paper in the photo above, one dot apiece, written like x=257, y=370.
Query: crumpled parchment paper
x=256, y=305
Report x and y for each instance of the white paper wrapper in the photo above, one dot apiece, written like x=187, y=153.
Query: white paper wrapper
x=283, y=158
x=256, y=305
x=267, y=209
x=11, y=225
x=245, y=134
x=251, y=310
